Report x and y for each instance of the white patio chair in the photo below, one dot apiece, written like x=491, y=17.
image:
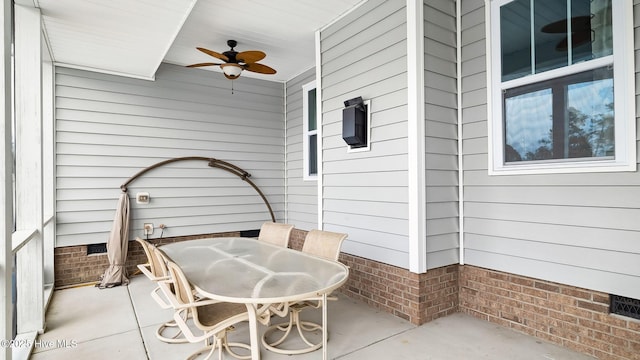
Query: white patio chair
x=213, y=317
x=275, y=233
x=325, y=244
x=156, y=270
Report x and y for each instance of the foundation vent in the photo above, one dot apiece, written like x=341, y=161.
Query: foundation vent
x=96, y=248
x=625, y=306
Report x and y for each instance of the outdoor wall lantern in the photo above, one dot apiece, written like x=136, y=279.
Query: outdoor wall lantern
x=354, y=123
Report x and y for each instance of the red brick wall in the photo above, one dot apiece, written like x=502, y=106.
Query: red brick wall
x=572, y=317
x=72, y=265
x=418, y=298
x=297, y=239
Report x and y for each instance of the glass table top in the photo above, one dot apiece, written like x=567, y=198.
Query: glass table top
x=251, y=271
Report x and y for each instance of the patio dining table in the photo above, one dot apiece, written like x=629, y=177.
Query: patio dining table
x=260, y=275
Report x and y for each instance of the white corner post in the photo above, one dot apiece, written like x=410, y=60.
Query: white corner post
x=29, y=173
x=318, y=37
x=460, y=140
x=416, y=137
x=6, y=197
x=48, y=179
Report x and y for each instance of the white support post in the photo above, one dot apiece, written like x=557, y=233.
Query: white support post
x=416, y=138
x=29, y=175
x=319, y=117
x=49, y=181
x=6, y=180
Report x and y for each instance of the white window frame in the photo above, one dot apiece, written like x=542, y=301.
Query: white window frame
x=624, y=98
x=306, y=133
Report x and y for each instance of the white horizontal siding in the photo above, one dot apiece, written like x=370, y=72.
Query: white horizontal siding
x=576, y=229
x=302, y=195
x=108, y=128
x=441, y=132
x=365, y=193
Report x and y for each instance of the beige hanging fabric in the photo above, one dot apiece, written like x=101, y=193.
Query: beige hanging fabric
x=116, y=273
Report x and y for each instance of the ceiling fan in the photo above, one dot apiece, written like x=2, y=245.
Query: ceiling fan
x=581, y=31
x=235, y=62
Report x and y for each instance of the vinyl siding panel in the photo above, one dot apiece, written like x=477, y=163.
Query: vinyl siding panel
x=108, y=128
x=576, y=229
x=365, y=193
x=302, y=195
x=441, y=132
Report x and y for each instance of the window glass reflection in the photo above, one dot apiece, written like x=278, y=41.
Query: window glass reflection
x=528, y=123
x=515, y=37
x=313, y=154
x=561, y=35
x=568, y=117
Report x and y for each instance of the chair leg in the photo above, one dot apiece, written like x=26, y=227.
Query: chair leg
x=302, y=327
x=220, y=342
x=210, y=346
x=284, y=327
x=177, y=338
x=228, y=346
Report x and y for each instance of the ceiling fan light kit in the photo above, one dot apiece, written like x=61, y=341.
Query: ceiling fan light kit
x=235, y=62
x=231, y=71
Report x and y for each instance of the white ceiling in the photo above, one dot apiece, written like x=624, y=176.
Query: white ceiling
x=132, y=37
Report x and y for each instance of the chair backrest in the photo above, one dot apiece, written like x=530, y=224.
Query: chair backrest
x=182, y=291
x=216, y=316
x=275, y=233
x=155, y=268
x=182, y=287
x=160, y=261
x=324, y=244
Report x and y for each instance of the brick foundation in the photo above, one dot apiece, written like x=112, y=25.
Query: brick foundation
x=297, y=239
x=72, y=265
x=417, y=298
x=572, y=317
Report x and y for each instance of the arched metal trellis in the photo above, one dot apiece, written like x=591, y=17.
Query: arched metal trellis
x=118, y=239
x=212, y=162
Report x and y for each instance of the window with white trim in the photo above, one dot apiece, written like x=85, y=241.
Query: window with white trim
x=562, y=92
x=309, y=131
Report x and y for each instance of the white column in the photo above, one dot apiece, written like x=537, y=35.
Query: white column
x=319, y=117
x=416, y=137
x=29, y=216
x=49, y=161
x=6, y=197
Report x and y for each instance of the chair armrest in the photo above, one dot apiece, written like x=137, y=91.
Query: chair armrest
x=144, y=268
x=165, y=286
x=162, y=302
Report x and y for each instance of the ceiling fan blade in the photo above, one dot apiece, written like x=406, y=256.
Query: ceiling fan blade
x=259, y=68
x=203, y=64
x=251, y=56
x=578, y=23
x=579, y=38
x=214, y=54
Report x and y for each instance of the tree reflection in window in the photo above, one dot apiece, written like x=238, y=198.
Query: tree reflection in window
x=566, y=118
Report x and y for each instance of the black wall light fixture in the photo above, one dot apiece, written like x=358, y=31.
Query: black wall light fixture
x=354, y=123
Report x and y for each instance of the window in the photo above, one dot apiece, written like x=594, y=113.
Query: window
x=561, y=86
x=309, y=131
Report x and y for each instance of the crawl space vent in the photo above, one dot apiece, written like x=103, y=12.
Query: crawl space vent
x=625, y=306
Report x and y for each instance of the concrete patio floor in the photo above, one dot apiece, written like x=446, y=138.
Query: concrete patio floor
x=120, y=323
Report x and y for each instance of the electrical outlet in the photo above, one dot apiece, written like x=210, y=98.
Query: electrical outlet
x=142, y=198
x=148, y=229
